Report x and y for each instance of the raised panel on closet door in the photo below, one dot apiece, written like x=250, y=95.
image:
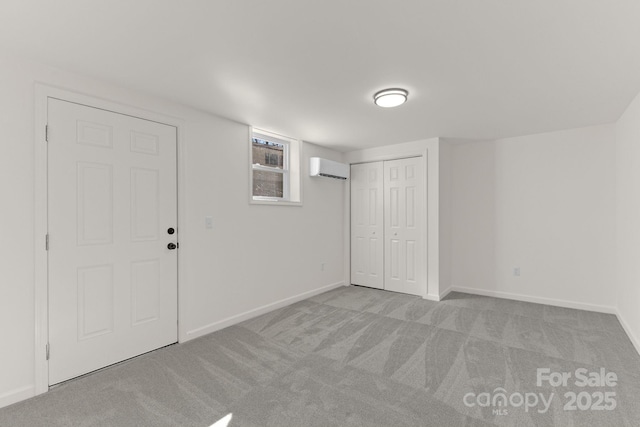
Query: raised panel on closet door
x=367, y=226
x=403, y=190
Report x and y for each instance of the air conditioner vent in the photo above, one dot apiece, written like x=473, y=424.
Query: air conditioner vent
x=328, y=168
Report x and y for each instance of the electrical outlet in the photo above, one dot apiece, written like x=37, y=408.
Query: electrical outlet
x=516, y=271
x=208, y=221
x=323, y=265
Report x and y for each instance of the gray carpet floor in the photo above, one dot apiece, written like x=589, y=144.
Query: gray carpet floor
x=361, y=357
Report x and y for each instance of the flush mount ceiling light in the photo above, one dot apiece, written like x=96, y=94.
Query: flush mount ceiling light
x=390, y=97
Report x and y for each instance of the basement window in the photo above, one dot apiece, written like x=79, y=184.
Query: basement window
x=275, y=169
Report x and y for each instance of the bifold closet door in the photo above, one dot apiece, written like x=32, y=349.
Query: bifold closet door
x=403, y=194
x=367, y=226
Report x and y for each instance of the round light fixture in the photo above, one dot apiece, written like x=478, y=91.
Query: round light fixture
x=388, y=98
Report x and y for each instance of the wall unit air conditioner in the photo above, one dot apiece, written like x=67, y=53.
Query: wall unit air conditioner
x=328, y=168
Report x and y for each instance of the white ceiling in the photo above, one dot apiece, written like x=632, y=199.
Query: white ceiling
x=308, y=69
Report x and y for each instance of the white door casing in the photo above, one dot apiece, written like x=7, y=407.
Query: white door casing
x=367, y=226
x=112, y=197
x=403, y=191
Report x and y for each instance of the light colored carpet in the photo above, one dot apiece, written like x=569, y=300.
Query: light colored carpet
x=360, y=357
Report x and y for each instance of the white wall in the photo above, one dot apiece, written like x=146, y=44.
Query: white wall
x=16, y=254
x=544, y=203
x=256, y=254
x=429, y=149
x=222, y=282
x=628, y=219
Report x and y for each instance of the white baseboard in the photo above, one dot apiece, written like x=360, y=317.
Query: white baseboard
x=634, y=340
x=538, y=300
x=446, y=292
x=432, y=297
x=17, y=395
x=229, y=321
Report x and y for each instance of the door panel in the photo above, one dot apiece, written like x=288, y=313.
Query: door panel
x=145, y=203
x=411, y=261
x=95, y=301
x=145, y=281
x=375, y=246
x=95, y=203
x=367, y=226
x=112, y=279
x=394, y=259
x=403, y=210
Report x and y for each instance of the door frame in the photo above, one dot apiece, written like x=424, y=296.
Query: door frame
x=41, y=266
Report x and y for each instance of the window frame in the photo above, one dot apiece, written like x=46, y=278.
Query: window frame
x=290, y=169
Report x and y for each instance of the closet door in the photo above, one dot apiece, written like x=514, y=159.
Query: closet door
x=367, y=225
x=403, y=193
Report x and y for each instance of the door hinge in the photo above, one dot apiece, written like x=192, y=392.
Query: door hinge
x=46, y=242
x=47, y=350
x=46, y=133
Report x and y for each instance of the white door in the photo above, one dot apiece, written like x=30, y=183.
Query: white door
x=112, y=200
x=367, y=226
x=403, y=216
